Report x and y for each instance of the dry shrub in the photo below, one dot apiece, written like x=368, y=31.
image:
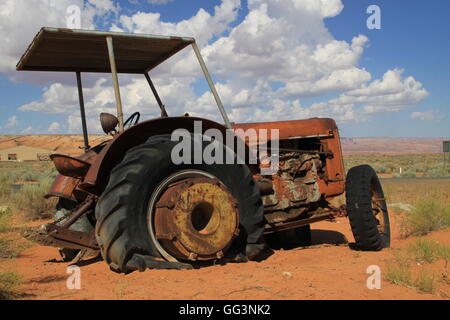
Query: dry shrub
x=5, y=216
x=31, y=200
x=9, y=282
x=429, y=214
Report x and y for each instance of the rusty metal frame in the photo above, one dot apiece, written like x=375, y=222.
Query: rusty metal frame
x=82, y=112
x=211, y=85
x=330, y=214
x=156, y=95
x=82, y=210
x=112, y=61
x=64, y=237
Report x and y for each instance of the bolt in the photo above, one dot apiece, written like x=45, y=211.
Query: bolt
x=192, y=256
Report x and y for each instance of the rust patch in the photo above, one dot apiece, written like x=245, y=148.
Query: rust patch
x=196, y=219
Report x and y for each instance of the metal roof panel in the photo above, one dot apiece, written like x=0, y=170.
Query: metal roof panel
x=56, y=49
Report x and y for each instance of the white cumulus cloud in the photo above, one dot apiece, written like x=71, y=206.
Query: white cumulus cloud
x=27, y=130
x=20, y=20
x=159, y=1
x=264, y=66
x=54, y=127
x=12, y=122
x=430, y=115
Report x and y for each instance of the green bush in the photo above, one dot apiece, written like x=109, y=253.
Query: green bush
x=9, y=281
x=30, y=175
x=405, y=174
x=429, y=214
x=5, y=216
x=31, y=200
x=8, y=249
x=425, y=250
x=438, y=171
x=399, y=272
x=426, y=281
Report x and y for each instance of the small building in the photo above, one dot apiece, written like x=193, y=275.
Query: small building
x=25, y=153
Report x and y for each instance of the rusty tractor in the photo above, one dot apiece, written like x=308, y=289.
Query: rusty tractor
x=125, y=200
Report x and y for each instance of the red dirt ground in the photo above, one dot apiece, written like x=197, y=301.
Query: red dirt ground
x=324, y=271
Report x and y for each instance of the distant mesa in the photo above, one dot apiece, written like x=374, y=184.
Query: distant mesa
x=69, y=144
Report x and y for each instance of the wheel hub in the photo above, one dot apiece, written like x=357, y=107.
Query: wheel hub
x=196, y=219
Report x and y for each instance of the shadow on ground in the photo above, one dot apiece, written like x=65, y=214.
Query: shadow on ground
x=327, y=237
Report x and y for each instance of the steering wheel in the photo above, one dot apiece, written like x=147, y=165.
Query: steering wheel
x=135, y=116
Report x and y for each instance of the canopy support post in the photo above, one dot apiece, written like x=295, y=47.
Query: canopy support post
x=82, y=111
x=155, y=93
x=211, y=85
x=115, y=79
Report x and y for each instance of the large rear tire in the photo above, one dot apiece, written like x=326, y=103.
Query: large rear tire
x=367, y=209
x=122, y=210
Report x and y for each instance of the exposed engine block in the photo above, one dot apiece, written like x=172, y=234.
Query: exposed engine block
x=294, y=187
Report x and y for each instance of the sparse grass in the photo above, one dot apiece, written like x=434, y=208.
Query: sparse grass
x=428, y=214
x=412, y=165
x=409, y=267
x=9, y=282
x=426, y=281
x=438, y=170
x=6, y=249
x=30, y=175
x=31, y=200
x=5, y=216
x=30, y=197
x=426, y=250
x=399, y=272
x=410, y=190
x=423, y=204
x=5, y=185
x=405, y=174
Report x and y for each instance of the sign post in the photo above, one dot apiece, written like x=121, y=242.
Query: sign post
x=446, y=151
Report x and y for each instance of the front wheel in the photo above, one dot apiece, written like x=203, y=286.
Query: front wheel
x=367, y=209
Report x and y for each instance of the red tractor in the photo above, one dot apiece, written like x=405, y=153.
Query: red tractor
x=128, y=200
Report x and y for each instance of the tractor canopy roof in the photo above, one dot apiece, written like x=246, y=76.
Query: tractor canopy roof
x=56, y=49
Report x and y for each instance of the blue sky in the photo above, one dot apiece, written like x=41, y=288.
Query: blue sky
x=414, y=37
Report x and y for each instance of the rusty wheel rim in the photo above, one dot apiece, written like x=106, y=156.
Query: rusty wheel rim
x=189, y=216
x=379, y=209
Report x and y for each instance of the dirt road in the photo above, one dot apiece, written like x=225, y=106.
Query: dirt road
x=327, y=270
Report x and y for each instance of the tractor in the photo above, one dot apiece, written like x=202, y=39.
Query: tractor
x=127, y=201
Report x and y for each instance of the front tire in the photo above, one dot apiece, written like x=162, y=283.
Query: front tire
x=121, y=212
x=367, y=209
